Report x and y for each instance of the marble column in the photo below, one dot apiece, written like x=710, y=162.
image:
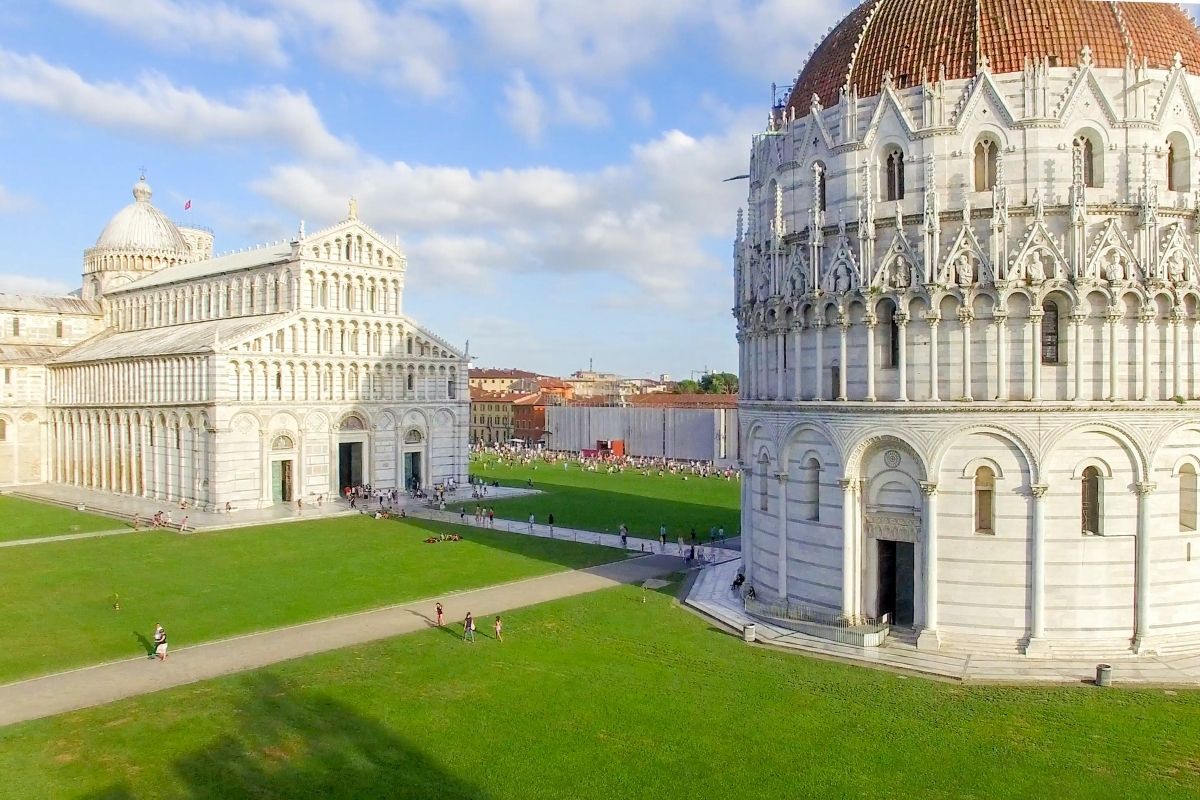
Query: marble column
x=781, y=516
x=1142, y=568
x=1035, y=352
x=843, y=365
x=1001, y=321
x=1143, y=366
x=1077, y=321
x=933, y=355
x=819, y=389
x=848, y=548
x=1113, y=318
x=1037, y=574
x=747, y=530
x=928, y=638
x=870, y=321
x=1176, y=349
x=902, y=371
x=780, y=335
x=965, y=317
x=798, y=361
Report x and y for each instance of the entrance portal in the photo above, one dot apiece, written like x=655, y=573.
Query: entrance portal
x=897, y=561
x=350, y=471
x=281, y=481
x=412, y=470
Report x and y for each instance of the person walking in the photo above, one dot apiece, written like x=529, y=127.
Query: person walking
x=662, y=537
x=624, y=535
x=160, y=642
x=499, y=628
x=491, y=516
x=550, y=519
x=531, y=523
x=438, y=612
x=469, y=629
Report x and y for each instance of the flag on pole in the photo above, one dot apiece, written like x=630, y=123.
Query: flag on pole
x=187, y=206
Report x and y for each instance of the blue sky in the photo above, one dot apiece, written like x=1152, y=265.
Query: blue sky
x=552, y=169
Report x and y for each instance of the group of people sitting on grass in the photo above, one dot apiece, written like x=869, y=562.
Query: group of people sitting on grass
x=512, y=456
x=444, y=537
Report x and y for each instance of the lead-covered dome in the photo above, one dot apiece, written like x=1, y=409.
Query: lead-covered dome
x=911, y=39
x=141, y=227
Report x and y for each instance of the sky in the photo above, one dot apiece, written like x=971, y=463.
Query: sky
x=553, y=169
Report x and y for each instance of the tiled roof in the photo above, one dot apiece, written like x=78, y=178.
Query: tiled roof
x=502, y=373
x=912, y=39
x=65, y=304
x=671, y=400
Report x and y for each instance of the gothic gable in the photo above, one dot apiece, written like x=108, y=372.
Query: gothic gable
x=1111, y=257
x=1176, y=258
x=966, y=261
x=1038, y=257
x=900, y=266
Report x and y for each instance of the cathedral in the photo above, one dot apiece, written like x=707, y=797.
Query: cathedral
x=275, y=374
x=967, y=299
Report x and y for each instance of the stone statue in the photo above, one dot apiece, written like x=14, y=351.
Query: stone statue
x=900, y=272
x=1037, y=268
x=1177, y=269
x=964, y=270
x=1115, y=269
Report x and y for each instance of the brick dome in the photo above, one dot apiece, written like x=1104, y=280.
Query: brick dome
x=909, y=39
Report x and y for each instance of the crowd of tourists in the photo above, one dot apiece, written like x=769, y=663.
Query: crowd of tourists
x=520, y=456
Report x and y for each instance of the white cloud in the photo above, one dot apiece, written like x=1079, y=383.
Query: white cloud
x=404, y=47
x=154, y=105
x=24, y=284
x=643, y=109
x=579, y=109
x=188, y=26
x=772, y=38
x=524, y=108
x=649, y=222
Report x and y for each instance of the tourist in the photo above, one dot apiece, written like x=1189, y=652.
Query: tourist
x=137, y=522
x=662, y=537
x=228, y=508
x=531, y=523
x=499, y=627
x=462, y=515
x=692, y=535
x=721, y=534
x=737, y=582
x=624, y=535
x=183, y=525
x=160, y=642
x=299, y=505
x=469, y=629
x=491, y=513
x=438, y=613
x=550, y=519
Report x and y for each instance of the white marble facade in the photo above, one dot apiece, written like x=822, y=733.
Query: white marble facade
x=968, y=323
x=263, y=376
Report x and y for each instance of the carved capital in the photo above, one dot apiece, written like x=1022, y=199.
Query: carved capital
x=1038, y=490
x=1078, y=319
x=870, y=319
x=1144, y=488
x=1000, y=317
x=929, y=488
x=1114, y=315
x=781, y=477
x=933, y=318
x=1035, y=316
x=847, y=484
x=901, y=318
x=965, y=315
x=820, y=324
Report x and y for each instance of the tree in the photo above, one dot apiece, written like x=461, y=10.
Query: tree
x=687, y=387
x=719, y=383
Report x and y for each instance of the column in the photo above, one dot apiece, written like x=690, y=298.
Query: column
x=1147, y=319
x=783, y=543
x=1001, y=321
x=1142, y=568
x=780, y=372
x=848, y=548
x=1176, y=324
x=1035, y=352
x=798, y=394
x=933, y=355
x=870, y=321
x=1077, y=372
x=747, y=537
x=819, y=389
x=843, y=366
x=964, y=319
x=928, y=637
x=1037, y=574
x=1113, y=318
x=902, y=346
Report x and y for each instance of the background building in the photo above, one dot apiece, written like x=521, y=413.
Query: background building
x=967, y=307
x=692, y=427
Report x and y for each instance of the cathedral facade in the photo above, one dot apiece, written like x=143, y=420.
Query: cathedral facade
x=270, y=375
x=968, y=296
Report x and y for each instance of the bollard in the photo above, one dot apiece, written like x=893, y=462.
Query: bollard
x=1104, y=675
x=749, y=632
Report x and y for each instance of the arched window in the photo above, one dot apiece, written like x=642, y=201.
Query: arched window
x=985, y=492
x=1179, y=164
x=818, y=170
x=1089, y=510
x=762, y=484
x=411, y=382
x=58, y=329
x=1050, y=349
x=16, y=326
x=810, y=491
x=3, y=430
x=985, y=165
x=891, y=335
x=1087, y=151
x=1187, y=498
x=894, y=174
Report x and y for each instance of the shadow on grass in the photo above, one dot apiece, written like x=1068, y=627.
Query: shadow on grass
x=146, y=644
x=301, y=743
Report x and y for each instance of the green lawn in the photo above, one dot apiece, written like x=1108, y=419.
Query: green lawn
x=25, y=519
x=598, y=501
x=601, y=696
x=58, y=598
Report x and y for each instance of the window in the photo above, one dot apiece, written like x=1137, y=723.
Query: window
x=1187, y=498
x=1050, y=352
x=278, y=380
x=1179, y=164
x=410, y=345
x=810, y=491
x=16, y=327
x=1085, y=150
x=3, y=430
x=58, y=329
x=762, y=485
x=891, y=349
x=985, y=165
x=821, y=188
x=411, y=382
x=1090, y=501
x=894, y=175
x=835, y=382
x=8, y=375
x=985, y=492
x=450, y=392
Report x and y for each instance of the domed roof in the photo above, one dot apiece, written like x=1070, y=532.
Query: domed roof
x=142, y=227
x=910, y=39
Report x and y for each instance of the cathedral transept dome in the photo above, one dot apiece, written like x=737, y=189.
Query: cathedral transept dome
x=140, y=226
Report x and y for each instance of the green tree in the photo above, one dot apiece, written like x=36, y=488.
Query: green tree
x=687, y=387
x=719, y=383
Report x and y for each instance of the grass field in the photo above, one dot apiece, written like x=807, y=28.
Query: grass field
x=597, y=501
x=24, y=519
x=58, y=597
x=601, y=696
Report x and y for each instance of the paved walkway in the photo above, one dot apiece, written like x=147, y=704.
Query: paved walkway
x=711, y=595
x=105, y=683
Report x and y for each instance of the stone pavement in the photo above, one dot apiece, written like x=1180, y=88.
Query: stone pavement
x=711, y=595
x=104, y=683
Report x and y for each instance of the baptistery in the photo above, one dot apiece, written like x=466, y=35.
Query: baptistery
x=967, y=301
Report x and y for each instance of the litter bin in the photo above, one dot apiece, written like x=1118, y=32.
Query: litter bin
x=1104, y=675
x=748, y=632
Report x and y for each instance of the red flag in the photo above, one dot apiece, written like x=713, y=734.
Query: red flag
x=187, y=206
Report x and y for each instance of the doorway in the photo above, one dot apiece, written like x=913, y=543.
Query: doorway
x=412, y=470
x=897, y=561
x=281, y=481
x=350, y=471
